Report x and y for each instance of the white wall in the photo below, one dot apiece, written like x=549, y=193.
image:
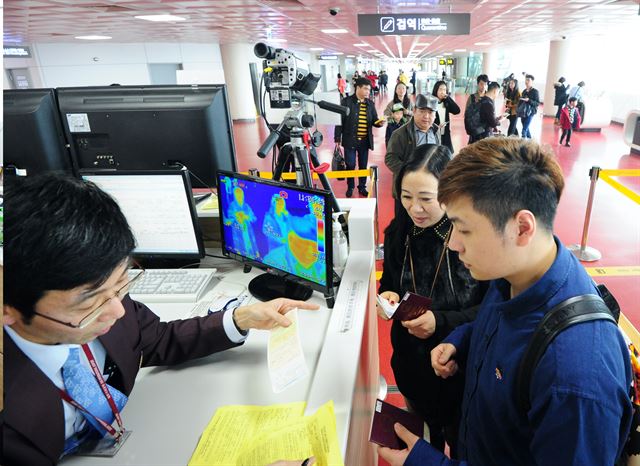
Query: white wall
x=71, y=64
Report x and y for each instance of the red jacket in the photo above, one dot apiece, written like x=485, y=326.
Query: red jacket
x=564, y=118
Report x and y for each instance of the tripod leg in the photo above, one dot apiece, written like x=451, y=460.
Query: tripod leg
x=302, y=167
x=283, y=159
x=325, y=181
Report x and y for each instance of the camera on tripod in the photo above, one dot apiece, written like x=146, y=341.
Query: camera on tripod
x=284, y=75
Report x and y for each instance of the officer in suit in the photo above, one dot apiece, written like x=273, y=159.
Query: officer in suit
x=67, y=253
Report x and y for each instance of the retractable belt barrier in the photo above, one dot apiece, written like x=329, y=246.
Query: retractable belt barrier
x=582, y=251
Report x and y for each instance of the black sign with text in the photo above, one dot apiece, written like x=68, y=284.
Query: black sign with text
x=414, y=24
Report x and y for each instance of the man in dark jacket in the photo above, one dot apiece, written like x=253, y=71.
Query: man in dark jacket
x=356, y=133
x=488, y=119
x=67, y=254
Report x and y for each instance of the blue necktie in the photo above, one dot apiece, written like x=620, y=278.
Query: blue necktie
x=82, y=386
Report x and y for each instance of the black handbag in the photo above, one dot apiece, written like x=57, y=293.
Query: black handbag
x=337, y=162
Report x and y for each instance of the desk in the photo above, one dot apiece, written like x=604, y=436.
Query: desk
x=170, y=407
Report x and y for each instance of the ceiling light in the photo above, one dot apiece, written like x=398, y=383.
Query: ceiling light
x=351, y=56
x=423, y=45
x=93, y=37
x=275, y=41
x=362, y=45
x=334, y=31
x=446, y=54
x=460, y=50
x=372, y=51
x=338, y=53
x=482, y=43
x=316, y=48
x=161, y=18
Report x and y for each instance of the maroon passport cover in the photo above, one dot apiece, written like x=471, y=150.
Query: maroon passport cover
x=384, y=417
x=411, y=306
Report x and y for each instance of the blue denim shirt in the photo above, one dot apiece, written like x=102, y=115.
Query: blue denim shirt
x=580, y=410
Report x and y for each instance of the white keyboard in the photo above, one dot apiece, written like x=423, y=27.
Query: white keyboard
x=170, y=285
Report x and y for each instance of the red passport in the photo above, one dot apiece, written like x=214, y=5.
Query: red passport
x=411, y=306
x=384, y=417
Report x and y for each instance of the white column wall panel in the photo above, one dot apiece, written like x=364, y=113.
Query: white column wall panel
x=163, y=52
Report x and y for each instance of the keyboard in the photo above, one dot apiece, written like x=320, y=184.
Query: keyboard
x=170, y=285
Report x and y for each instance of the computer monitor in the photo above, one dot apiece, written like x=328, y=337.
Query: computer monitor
x=283, y=228
x=161, y=213
x=150, y=128
x=34, y=139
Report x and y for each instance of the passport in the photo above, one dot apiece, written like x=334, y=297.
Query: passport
x=410, y=306
x=384, y=417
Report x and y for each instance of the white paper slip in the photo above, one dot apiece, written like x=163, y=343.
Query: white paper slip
x=287, y=364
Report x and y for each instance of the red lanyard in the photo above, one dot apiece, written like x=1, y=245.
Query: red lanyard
x=105, y=390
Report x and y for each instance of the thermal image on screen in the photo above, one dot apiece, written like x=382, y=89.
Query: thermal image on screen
x=277, y=226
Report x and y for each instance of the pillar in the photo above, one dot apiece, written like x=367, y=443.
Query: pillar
x=235, y=61
x=558, y=65
x=487, y=64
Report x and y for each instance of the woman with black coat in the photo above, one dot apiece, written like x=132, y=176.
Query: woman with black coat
x=446, y=106
x=417, y=260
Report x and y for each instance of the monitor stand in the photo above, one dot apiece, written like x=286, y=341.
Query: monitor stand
x=268, y=286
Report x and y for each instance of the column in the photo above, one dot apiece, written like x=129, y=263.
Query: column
x=487, y=64
x=235, y=61
x=559, y=65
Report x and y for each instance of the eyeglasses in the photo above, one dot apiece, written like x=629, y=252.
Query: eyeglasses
x=93, y=315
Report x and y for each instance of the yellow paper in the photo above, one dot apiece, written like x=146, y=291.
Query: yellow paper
x=232, y=427
x=211, y=203
x=262, y=435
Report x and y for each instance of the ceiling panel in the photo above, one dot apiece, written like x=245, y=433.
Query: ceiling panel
x=500, y=22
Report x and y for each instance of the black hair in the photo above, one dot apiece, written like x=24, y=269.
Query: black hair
x=431, y=158
x=530, y=76
x=339, y=76
x=482, y=77
x=406, y=102
x=511, y=94
x=561, y=80
x=360, y=82
x=60, y=233
x=581, y=83
x=573, y=99
x=436, y=86
x=493, y=85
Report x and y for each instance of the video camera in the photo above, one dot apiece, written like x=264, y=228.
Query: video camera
x=285, y=75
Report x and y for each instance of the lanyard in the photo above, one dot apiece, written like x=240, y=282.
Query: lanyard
x=105, y=390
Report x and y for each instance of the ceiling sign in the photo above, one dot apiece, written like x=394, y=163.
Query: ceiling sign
x=16, y=52
x=414, y=24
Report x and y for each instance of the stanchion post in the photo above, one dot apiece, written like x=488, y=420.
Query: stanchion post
x=376, y=232
x=254, y=172
x=582, y=251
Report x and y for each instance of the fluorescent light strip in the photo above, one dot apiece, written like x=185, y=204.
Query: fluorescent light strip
x=482, y=43
x=316, y=48
x=362, y=45
x=93, y=37
x=161, y=18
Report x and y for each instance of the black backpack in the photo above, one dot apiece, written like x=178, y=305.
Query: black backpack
x=472, y=124
x=572, y=311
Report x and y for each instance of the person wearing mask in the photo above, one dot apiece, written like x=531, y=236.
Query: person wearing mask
x=501, y=195
x=531, y=96
x=400, y=96
x=355, y=132
x=560, y=98
x=512, y=98
x=488, y=119
x=417, y=260
x=418, y=130
x=482, y=81
x=446, y=106
x=74, y=340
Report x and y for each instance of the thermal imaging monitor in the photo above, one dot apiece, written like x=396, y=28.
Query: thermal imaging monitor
x=160, y=211
x=283, y=228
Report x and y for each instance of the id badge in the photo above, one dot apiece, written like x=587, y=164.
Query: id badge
x=106, y=446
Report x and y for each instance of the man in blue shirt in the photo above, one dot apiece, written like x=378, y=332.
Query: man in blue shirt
x=501, y=196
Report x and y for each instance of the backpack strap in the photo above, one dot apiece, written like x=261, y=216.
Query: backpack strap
x=572, y=311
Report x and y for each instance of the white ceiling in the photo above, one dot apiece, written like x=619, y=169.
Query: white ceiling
x=501, y=23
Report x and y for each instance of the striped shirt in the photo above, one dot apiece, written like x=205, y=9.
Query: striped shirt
x=362, y=132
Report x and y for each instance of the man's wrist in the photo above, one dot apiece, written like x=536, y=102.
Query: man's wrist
x=234, y=318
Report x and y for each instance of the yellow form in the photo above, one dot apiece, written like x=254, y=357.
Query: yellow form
x=283, y=436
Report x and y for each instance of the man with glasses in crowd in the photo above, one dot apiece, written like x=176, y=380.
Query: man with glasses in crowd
x=73, y=339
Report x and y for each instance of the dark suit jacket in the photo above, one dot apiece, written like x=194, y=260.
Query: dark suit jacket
x=451, y=108
x=33, y=419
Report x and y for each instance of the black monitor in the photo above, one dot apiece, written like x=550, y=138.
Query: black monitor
x=150, y=128
x=160, y=211
x=283, y=228
x=34, y=139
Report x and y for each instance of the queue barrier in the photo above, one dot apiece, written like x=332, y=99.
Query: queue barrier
x=582, y=251
x=371, y=172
